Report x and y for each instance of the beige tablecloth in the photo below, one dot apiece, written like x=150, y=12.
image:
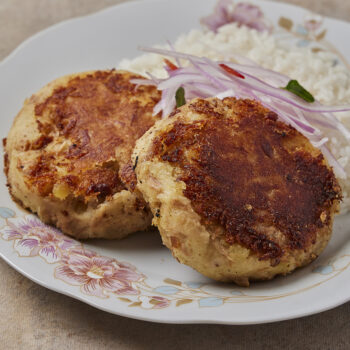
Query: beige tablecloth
x=32, y=317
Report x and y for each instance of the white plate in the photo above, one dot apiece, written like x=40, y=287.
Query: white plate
x=152, y=286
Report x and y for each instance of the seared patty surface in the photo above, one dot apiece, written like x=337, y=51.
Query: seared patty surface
x=68, y=145
x=254, y=182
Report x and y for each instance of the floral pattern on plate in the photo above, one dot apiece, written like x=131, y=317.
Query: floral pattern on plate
x=97, y=275
x=33, y=238
x=102, y=277
x=310, y=32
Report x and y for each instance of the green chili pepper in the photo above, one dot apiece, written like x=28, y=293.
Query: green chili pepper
x=295, y=88
x=180, y=97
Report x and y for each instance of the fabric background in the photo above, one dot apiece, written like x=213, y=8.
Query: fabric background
x=32, y=317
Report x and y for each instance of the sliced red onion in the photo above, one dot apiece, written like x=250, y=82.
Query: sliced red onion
x=321, y=142
x=206, y=78
x=180, y=80
x=173, y=49
x=267, y=75
x=339, y=170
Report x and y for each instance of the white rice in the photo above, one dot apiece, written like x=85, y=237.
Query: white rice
x=316, y=71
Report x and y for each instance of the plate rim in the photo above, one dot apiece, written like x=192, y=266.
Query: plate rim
x=174, y=320
x=126, y=3
x=142, y=315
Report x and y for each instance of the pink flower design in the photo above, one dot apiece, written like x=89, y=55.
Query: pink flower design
x=250, y=16
x=33, y=238
x=313, y=22
x=97, y=275
x=159, y=302
x=243, y=14
x=153, y=302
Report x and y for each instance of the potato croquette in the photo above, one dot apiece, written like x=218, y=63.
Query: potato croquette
x=236, y=194
x=68, y=147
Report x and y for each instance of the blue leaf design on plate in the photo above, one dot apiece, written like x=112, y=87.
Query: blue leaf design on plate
x=166, y=290
x=302, y=30
x=210, y=302
x=236, y=292
x=6, y=213
x=303, y=43
x=194, y=285
x=324, y=270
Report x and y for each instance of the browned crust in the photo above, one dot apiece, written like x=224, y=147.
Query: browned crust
x=247, y=172
x=99, y=116
x=128, y=176
x=6, y=158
